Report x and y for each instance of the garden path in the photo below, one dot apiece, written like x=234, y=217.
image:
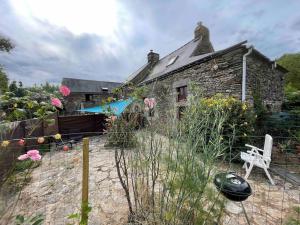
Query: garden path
x=55, y=188
x=55, y=191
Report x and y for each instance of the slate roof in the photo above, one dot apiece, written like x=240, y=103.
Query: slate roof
x=186, y=58
x=89, y=86
x=133, y=75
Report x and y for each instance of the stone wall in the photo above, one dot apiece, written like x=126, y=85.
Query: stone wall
x=264, y=81
x=220, y=75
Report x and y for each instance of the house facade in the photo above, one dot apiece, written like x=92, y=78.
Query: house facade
x=87, y=93
x=240, y=71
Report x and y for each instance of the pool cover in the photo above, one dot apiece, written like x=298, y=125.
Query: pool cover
x=116, y=107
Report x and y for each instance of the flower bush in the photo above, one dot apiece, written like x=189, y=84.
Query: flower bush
x=35, y=102
x=239, y=124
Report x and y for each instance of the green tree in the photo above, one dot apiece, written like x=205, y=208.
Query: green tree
x=5, y=44
x=292, y=63
x=13, y=87
x=3, y=81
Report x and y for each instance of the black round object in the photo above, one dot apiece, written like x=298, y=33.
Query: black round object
x=232, y=186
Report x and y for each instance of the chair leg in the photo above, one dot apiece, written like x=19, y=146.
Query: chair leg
x=248, y=171
x=269, y=176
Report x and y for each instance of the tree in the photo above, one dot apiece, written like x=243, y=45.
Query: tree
x=13, y=87
x=5, y=44
x=3, y=81
x=292, y=63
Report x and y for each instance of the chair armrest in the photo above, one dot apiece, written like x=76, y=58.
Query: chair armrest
x=250, y=146
x=253, y=147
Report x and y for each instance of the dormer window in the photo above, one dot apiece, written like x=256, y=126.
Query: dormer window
x=172, y=60
x=181, y=93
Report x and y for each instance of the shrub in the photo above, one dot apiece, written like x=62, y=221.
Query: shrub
x=120, y=131
x=238, y=124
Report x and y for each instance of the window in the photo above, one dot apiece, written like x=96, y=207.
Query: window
x=180, y=112
x=104, y=90
x=88, y=97
x=172, y=60
x=182, y=93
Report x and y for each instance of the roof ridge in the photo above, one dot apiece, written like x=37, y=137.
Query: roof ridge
x=70, y=78
x=133, y=73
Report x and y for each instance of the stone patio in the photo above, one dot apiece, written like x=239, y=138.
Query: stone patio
x=55, y=191
x=55, y=188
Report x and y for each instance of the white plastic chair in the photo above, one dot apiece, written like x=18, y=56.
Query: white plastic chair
x=258, y=157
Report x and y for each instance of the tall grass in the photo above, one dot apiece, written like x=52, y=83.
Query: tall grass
x=167, y=178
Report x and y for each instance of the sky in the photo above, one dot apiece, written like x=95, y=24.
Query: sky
x=109, y=39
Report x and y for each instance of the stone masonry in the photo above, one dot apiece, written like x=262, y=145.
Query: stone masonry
x=225, y=78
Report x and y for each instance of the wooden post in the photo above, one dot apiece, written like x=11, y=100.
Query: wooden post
x=85, y=182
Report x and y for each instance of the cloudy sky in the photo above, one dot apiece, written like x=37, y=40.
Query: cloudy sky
x=109, y=39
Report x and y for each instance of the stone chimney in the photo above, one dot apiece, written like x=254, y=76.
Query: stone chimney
x=202, y=34
x=153, y=57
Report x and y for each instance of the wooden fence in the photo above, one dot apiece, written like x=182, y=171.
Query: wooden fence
x=22, y=129
x=71, y=126
x=81, y=125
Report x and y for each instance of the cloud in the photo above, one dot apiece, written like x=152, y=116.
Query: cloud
x=296, y=25
x=80, y=42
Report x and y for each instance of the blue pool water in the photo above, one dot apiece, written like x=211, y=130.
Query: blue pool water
x=118, y=107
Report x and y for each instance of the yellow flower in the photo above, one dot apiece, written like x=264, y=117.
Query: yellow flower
x=57, y=136
x=5, y=143
x=244, y=106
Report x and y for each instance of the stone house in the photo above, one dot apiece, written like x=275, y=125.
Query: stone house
x=239, y=70
x=87, y=93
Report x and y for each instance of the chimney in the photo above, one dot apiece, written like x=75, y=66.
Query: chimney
x=153, y=57
x=201, y=33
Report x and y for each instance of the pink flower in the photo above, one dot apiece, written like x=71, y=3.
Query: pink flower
x=150, y=102
x=36, y=157
x=56, y=102
x=23, y=157
x=32, y=152
x=64, y=90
